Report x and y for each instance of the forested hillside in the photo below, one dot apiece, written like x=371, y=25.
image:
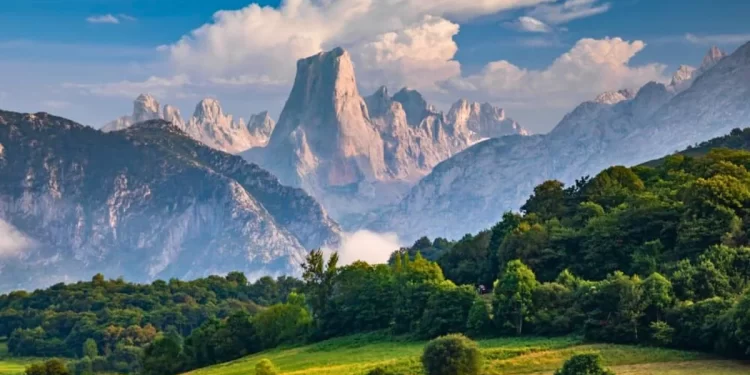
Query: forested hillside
x=656, y=255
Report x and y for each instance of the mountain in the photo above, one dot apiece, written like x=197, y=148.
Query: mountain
x=472, y=189
x=145, y=202
x=354, y=153
x=209, y=124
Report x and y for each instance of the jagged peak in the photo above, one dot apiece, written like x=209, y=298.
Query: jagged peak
x=414, y=105
x=208, y=109
x=145, y=107
x=713, y=56
x=614, y=97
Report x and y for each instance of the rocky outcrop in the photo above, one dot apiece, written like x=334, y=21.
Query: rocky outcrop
x=145, y=202
x=355, y=154
x=209, y=124
x=471, y=190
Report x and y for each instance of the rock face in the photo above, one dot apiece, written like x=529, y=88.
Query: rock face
x=355, y=154
x=471, y=190
x=145, y=202
x=208, y=124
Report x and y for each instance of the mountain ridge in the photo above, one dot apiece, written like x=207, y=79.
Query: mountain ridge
x=144, y=202
x=472, y=189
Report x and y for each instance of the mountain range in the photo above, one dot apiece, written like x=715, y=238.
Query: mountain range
x=208, y=124
x=472, y=189
x=356, y=154
x=144, y=202
x=155, y=195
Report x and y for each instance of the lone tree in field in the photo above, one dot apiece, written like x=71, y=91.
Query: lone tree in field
x=452, y=355
x=584, y=364
x=266, y=367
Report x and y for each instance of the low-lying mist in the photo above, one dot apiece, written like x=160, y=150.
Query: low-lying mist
x=367, y=246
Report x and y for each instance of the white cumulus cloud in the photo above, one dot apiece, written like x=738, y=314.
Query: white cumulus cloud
x=399, y=34
x=591, y=67
x=12, y=241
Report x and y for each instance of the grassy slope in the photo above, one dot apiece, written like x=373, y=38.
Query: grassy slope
x=357, y=354
x=11, y=366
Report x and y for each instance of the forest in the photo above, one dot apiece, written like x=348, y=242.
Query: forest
x=657, y=254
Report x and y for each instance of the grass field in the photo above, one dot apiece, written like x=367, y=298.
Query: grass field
x=11, y=366
x=356, y=355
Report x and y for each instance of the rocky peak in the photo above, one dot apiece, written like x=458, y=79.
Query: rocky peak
x=172, y=114
x=379, y=102
x=145, y=108
x=208, y=110
x=713, y=56
x=414, y=105
x=684, y=73
x=614, y=97
x=261, y=125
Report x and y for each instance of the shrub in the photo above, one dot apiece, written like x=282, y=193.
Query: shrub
x=266, y=367
x=381, y=371
x=452, y=355
x=584, y=364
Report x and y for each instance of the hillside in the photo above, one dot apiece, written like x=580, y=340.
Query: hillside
x=738, y=139
x=510, y=356
x=143, y=203
x=472, y=189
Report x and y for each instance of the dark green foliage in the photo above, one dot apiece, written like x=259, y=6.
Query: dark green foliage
x=89, y=349
x=584, y=364
x=447, y=310
x=452, y=355
x=50, y=367
x=382, y=371
x=479, y=323
x=513, y=297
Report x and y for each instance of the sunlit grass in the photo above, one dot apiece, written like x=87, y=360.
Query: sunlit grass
x=355, y=355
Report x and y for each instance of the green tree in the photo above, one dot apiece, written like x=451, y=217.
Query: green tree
x=90, y=349
x=266, y=367
x=319, y=277
x=280, y=323
x=452, y=355
x=547, y=201
x=657, y=295
x=514, y=296
x=479, y=323
x=447, y=310
x=584, y=364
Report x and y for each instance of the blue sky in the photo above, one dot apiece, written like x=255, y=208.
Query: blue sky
x=83, y=59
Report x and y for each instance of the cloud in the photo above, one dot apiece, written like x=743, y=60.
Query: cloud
x=717, y=39
x=159, y=86
x=12, y=241
x=270, y=40
x=568, y=10
x=370, y=247
x=105, y=18
x=110, y=18
x=55, y=104
x=591, y=67
x=529, y=24
x=126, y=17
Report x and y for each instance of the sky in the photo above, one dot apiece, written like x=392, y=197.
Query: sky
x=88, y=59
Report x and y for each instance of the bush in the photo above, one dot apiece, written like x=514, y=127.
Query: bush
x=266, y=367
x=452, y=355
x=584, y=364
x=381, y=371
